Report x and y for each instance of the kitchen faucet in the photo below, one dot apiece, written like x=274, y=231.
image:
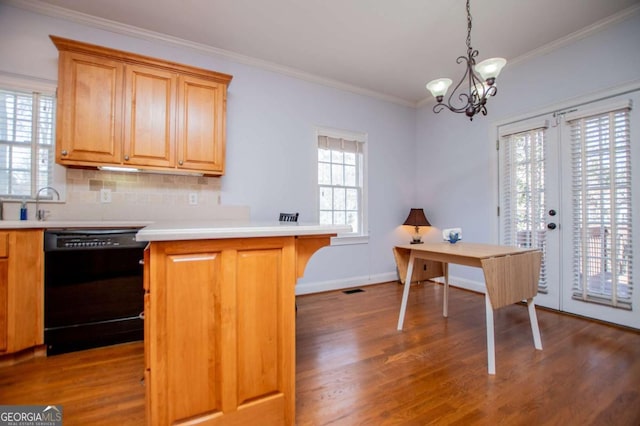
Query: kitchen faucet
x=41, y=214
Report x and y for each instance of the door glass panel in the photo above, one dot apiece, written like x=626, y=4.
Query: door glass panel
x=523, y=194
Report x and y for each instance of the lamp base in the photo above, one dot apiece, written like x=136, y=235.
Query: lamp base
x=416, y=242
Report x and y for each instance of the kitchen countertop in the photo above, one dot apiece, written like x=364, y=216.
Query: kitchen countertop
x=76, y=224
x=208, y=230
x=187, y=230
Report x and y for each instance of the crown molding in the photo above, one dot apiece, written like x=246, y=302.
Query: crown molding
x=129, y=30
x=27, y=83
x=579, y=35
x=132, y=31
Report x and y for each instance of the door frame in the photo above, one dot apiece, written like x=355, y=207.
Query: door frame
x=617, y=91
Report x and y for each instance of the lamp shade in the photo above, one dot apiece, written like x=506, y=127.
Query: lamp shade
x=439, y=87
x=416, y=218
x=490, y=68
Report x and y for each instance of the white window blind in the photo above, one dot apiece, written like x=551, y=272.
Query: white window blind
x=341, y=182
x=522, y=192
x=27, y=123
x=601, y=197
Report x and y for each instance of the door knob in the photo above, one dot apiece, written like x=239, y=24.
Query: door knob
x=551, y=225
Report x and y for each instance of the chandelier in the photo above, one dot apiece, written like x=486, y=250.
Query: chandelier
x=478, y=88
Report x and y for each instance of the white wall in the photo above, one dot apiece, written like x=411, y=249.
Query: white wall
x=270, y=139
x=443, y=162
x=456, y=158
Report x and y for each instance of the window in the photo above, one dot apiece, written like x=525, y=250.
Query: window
x=601, y=196
x=27, y=122
x=341, y=189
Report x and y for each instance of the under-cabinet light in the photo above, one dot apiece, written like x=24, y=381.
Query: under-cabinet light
x=118, y=169
x=159, y=172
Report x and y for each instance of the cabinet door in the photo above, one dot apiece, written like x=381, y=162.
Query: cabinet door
x=21, y=290
x=149, y=116
x=185, y=353
x=201, y=124
x=89, y=123
x=4, y=291
x=4, y=307
x=26, y=289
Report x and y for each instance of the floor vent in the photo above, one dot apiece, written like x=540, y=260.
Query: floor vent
x=355, y=290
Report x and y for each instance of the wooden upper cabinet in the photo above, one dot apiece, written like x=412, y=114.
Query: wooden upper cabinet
x=119, y=108
x=201, y=122
x=89, y=118
x=149, y=132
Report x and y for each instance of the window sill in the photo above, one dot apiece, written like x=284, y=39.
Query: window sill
x=349, y=240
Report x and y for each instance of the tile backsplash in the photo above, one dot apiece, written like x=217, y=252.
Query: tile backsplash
x=149, y=189
x=136, y=196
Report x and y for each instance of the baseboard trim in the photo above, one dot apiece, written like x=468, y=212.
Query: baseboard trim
x=465, y=284
x=341, y=284
x=8, y=360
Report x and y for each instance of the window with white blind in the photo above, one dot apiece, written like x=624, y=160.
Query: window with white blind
x=27, y=123
x=341, y=191
x=522, y=202
x=602, y=209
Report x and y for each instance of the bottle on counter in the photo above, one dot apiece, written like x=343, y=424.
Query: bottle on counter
x=23, y=210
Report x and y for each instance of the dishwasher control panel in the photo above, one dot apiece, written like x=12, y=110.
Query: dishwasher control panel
x=90, y=239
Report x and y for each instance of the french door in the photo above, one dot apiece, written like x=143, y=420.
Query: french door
x=569, y=185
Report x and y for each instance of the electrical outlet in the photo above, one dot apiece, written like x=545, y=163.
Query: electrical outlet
x=193, y=198
x=105, y=195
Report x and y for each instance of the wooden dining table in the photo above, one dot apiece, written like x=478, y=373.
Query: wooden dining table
x=511, y=275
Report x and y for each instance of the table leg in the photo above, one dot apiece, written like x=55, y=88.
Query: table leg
x=491, y=346
x=445, y=302
x=533, y=319
x=405, y=293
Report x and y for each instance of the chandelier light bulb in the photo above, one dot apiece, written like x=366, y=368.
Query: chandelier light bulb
x=439, y=87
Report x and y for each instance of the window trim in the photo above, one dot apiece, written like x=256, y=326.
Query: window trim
x=363, y=237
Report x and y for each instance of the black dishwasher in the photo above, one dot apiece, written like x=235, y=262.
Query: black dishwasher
x=93, y=288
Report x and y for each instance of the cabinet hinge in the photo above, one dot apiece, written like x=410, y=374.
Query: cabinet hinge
x=498, y=209
x=497, y=145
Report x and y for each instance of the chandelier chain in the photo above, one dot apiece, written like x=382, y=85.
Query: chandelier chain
x=469, y=25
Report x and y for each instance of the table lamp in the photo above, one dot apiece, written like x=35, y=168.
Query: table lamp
x=417, y=219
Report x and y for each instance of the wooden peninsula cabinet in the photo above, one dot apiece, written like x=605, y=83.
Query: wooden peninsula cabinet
x=220, y=322
x=21, y=293
x=121, y=109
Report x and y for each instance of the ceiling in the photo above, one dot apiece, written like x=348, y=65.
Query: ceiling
x=387, y=47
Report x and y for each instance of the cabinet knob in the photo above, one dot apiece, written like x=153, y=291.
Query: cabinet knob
x=126, y=158
x=181, y=162
x=64, y=152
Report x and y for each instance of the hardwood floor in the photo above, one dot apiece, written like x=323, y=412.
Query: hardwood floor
x=95, y=387
x=354, y=368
